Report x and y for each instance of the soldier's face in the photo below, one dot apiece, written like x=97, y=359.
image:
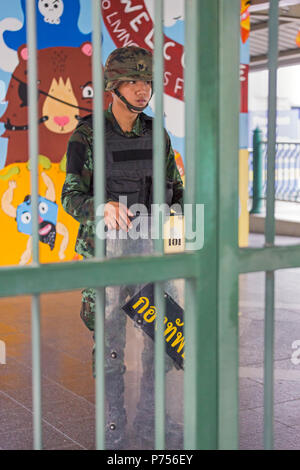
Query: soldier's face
x=136, y=92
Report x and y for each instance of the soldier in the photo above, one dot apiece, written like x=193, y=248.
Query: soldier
x=128, y=149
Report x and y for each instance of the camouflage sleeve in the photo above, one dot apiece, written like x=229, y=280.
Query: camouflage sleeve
x=172, y=174
x=77, y=197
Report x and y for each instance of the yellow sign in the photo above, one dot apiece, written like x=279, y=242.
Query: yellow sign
x=174, y=234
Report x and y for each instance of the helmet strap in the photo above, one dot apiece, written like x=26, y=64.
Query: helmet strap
x=130, y=106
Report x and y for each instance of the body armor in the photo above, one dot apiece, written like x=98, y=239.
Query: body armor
x=129, y=168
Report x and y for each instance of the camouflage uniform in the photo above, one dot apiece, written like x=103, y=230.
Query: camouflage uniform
x=77, y=200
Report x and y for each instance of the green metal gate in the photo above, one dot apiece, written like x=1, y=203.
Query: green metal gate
x=211, y=274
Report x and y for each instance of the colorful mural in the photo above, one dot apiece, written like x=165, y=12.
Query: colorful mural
x=298, y=39
x=65, y=94
x=245, y=20
x=244, y=123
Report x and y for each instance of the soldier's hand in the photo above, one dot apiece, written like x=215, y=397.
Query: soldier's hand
x=116, y=216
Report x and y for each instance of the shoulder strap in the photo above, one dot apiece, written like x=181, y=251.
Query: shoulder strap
x=87, y=120
x=147, y=120
x=87, y=123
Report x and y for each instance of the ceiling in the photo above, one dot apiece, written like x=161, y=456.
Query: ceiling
x=289, y=26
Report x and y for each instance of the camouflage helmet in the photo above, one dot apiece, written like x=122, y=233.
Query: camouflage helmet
x=127, y=63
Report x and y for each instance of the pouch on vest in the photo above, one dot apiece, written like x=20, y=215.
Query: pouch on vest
x=168, y=193
x=130, y=187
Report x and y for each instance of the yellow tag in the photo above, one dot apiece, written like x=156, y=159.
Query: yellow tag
x=174, y=234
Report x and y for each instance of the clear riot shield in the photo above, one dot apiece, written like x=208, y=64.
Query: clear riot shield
x=129, y=346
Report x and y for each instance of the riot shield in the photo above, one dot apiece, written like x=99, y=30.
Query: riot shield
x=129, y=351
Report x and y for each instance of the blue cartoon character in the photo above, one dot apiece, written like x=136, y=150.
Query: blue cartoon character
x=47, y=219
x=49, y=226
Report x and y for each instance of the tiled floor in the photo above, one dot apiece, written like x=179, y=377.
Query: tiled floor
x=68, y=394
x=68, y=386
x=66, y=369
x=287, y=374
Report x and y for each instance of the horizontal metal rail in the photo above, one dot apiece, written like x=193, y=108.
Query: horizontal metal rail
x=35, y=280
x=92, y=273
x=269, y=258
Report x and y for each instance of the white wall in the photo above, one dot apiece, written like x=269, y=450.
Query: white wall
x=288, y=89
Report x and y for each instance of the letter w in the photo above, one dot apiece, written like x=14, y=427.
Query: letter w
x=2, y=353
x=116, y=29
x=129, y=8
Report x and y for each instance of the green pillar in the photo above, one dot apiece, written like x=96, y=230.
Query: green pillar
x=211, y=300
x=257, y=172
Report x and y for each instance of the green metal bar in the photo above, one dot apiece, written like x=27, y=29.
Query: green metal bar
x=33, y=155
x=270, y=226
x=159, y=170
x=99, y=197
x=36, y=373
x=159, y=198
x=80, y=274
x=191, y=354
x=268, y=258
x=159, y=368
x=207, y=71
x=98, y=127
x=228, y=339
x=191, y=343
x=33, y=123
x=272, y=111
x=99, y=368
x=203, y=355
x=268, y=361
x=257, y=172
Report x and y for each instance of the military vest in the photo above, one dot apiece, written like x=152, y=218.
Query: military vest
x=129, y=165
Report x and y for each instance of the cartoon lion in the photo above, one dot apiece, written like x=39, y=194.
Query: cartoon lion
x=65, y=94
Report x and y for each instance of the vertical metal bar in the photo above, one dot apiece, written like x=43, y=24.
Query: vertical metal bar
x=99, y=197
x=99, y=368
x=258, y=171
x=36, y=373
x=268, y=361
x=272, y=110
x=270, y=226
x=159, y=368
x=212, y=85
x=159, y=170
x=33, y=156
x=159, y=198
x=201, y=310
x=227, y=294
x=191, y=103
x=33, y=123
x=190, y=364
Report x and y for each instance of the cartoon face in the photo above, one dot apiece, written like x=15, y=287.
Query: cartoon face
x=51, y=10
x=47, y=219
x=65, y=94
